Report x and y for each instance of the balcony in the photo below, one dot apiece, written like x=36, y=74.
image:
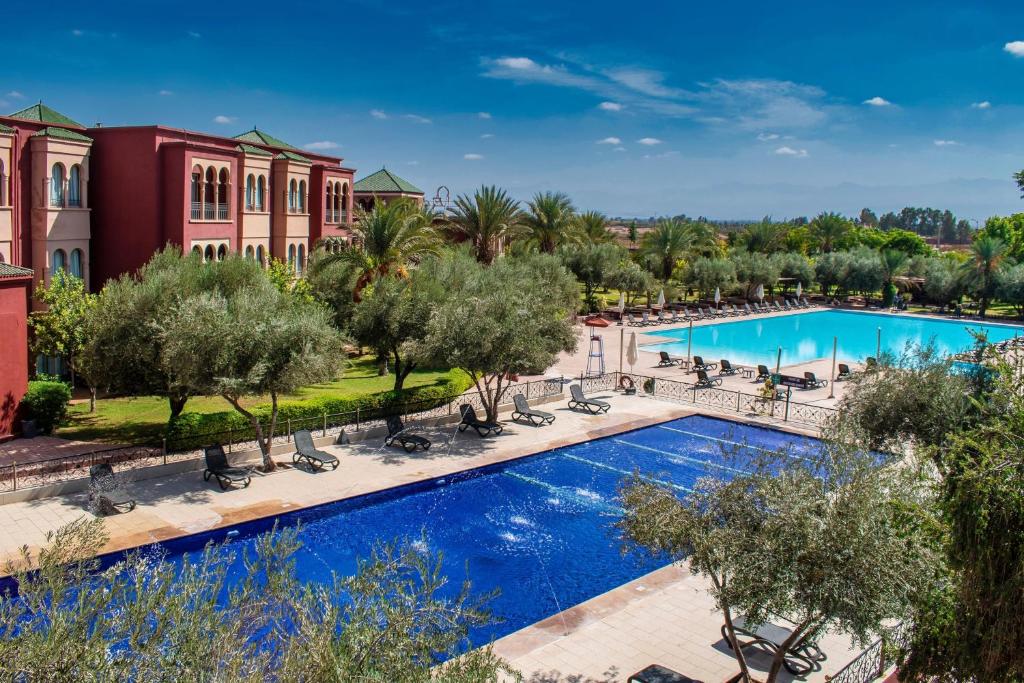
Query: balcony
x=197, y=210
x=222, y=212
x=335, y=216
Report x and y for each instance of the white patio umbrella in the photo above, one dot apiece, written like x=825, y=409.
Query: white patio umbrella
x=661, y=298
x=622, y=302
x=760, y=292
x=718, y=296
x=631, y=353
x=799, y=289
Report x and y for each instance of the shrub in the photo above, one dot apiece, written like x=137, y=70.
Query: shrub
x=46, y=402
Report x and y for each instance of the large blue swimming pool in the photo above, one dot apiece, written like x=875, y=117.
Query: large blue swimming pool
x=808, y=336
x=539, y=529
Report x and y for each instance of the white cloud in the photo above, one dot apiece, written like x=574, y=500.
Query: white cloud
x=519, y=63
x=472, y=157
x=945, y=143
x=787, y=151
x=165, y=93
x=619, y=149
x=378, y=114
x=643, y=81
x=487, y=136
x=484, y=115
x=877, y=101
x=765, y=137
x=1015, y=48
x=412, y=163
x=194, y=35
x=14, y=94
x=610, y=106
x=663, y=155
x=77, y=32
x=984, y=104
x=611, y=140
x=224, y=119
x=416, y=118
x=322, y=145
x=649, y=142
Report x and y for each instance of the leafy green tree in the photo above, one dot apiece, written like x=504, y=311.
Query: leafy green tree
x=1009, y=230
x=630, y=278
x=593, y=226
x=824, y=539
x=830, y=269
x=633, y=232
x=828, y=230
x=980, y=273
x=943, y=284
x=795, y=267
x=868, y=218
x=61, y=329
x=147, y=618
x=668, y=243
x=512, y=318
x=591, y=264
x=863, y=272
x=1019, y=177
x=906, y=242
x=708, y=273
x=486, y=220
x=765, y=237
x=331, y=282
x=894, y=264
x=753, y=269
x=550, y=221
x=798, y=240
x=252, y=342
x=1010, y=287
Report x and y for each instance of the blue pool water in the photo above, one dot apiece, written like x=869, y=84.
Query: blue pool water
x=808, y=336
x=539, y=529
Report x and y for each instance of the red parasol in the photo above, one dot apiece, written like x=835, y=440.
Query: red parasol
x=595, y=321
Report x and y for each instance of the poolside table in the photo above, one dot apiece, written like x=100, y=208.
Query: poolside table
x=656, y=673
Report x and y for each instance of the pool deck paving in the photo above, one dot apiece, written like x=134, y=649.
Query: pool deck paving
x=665, y=617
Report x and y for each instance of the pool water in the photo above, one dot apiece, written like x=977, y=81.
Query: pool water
x=539, y=529
x=808, y=336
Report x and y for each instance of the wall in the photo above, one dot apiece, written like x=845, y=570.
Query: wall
x=14, y=293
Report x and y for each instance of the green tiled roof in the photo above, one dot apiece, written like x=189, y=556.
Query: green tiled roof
x=5, y=129
x=253, y=151
x=8, y=270
x=293, y=157
x=63, y=133
x=385, y=181
x=258, y=137
x=43, y=114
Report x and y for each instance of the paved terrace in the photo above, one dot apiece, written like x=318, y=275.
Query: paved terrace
x=666, y=616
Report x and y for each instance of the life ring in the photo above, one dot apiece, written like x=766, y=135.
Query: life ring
x=626, y=383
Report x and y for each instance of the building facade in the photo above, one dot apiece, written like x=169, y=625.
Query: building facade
x=384, y=186
x=15, y=286
x=100, y=201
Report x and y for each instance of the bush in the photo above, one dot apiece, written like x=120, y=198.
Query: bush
x=46, y=402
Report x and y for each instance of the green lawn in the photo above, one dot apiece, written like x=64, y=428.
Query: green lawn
x=143, y=418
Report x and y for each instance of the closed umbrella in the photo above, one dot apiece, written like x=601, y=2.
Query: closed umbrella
x=622, y=306
x=718, y=296
x=661, y=298
x=799, y=289
x=631, y=352
x=760, y=292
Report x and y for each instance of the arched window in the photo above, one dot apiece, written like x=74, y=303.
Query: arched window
x=2, y=260
x=60, y=260
x=197, y=193
x=76, y=263
x=250, y=191
x=75, y=186
x=222, y=195
x=291, y=257
x=57, y=185
x=338, y=217
x=261, y=188
x=209, y=196
x=259, y=255
x=222, y=252
x=329, y=204
x=3, y=186
x=197, y=251
x=208, y=254
x=293, y=199
x=301, y=261
x=250, y=253
x=344, y=202
x=302, y=196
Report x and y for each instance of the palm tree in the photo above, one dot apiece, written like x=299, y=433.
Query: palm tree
x=593, y=227
x=765, y=237
x=390, y=237
x=549, y=221
x=667, y=243
x=485, y=220
x=829, y=229
x=893, y=262
x=979, y=272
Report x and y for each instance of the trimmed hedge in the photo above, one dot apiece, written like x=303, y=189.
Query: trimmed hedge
x=192, y=430
x=46, y=402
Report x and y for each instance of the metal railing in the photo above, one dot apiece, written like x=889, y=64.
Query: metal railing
x=15, y=477
x=222, y=212
x=197, y=210
x=875, y=660
x=783, y=408
x=209, y=211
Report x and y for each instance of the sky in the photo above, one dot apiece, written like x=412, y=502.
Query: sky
x=727, y=110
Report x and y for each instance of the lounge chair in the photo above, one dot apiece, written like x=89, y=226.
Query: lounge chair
x=699, y=364
x=667, y=360
x=813, y=382
x=777, y=306
x=706, y=382
x=655, y=673
x=482, y=427
x=217, y=466
x=537, y=418
x=727, y=368
x=763, y=374
x=735, y=312
x=645, y=320
x=806, y=303
x=410, y=442
x=788, y=306
x=675, y=316
x=631, y=321
x=592, y=405
x=844, y=372
x=802, y=658
x=106, y=492
x=306, y=450
x=691, y=316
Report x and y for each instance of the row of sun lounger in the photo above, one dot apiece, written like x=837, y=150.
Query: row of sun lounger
x=664, y=317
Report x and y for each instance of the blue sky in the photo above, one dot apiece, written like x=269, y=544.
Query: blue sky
x=730, y=110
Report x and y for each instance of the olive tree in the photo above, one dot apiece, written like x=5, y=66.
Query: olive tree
x=1010, y=287
x=753, y=269
x=631, y=279
x=591, y=264
x=254, y=342
x=708, y=273
x=511, y=318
